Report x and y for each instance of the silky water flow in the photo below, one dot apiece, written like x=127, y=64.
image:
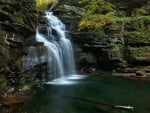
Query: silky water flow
x=61, y=66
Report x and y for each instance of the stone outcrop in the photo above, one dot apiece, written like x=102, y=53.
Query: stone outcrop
x=70, y=16
x=119, y=45
x=18, y=72
x=16, y=24
x=17, y=35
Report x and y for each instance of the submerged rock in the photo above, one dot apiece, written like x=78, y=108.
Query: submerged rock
x=12, y=103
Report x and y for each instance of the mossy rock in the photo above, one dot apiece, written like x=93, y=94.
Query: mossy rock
x=136, y=23
x=140, y=73
x=137, y=30
x=3, y=82
x=137, y=37
x=131, y=26
x=138, y=53
x=114, y=27
x=145, y=10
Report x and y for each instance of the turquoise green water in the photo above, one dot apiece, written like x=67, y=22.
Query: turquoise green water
x=110, y=90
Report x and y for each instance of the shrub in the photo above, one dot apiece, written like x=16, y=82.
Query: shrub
x=98, y=13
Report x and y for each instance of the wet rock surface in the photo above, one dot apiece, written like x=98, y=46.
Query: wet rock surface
x=123, y=45
x=17, y=36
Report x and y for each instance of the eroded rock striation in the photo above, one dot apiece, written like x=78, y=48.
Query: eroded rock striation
x=17, y=35
x=120, y=45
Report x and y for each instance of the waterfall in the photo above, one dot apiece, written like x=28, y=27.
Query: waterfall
x=59, y=48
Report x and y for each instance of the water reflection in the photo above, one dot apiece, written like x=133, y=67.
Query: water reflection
x=109, y=90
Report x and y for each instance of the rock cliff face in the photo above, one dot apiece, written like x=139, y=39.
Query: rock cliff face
x=134, y=29
x=118, y=45
x=20, y=54
x=17, y=37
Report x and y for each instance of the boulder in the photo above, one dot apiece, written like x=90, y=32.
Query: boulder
x=140, y=73
x=70, y=16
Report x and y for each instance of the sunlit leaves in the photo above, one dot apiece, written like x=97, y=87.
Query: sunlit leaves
x=95, y=21
x=97, y=6
x=98, y=13
x=42, y=4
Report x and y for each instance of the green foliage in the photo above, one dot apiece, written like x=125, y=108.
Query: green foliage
x=139, y=53
x=20, y=16
x=97, y=6
x=111, y=45
x=95, y=21
x=138, y=12
x=99, y=33
x=137, y=29
x=129, y=18
x=121, y=13
x=98, y=13
x=138, y=37
x=42, y=4
x=142, y=11
x=132, y=26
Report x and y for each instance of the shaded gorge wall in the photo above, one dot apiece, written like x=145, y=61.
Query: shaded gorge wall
x=17, y=35
x=122, y=41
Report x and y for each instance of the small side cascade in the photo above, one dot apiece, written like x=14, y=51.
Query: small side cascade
x=59, y=49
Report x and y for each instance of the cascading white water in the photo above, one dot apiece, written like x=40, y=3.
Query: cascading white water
x=63, y=43
x=60, y=54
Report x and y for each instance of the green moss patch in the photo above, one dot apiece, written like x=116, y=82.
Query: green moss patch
x=137, y=37
x=139, y=53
